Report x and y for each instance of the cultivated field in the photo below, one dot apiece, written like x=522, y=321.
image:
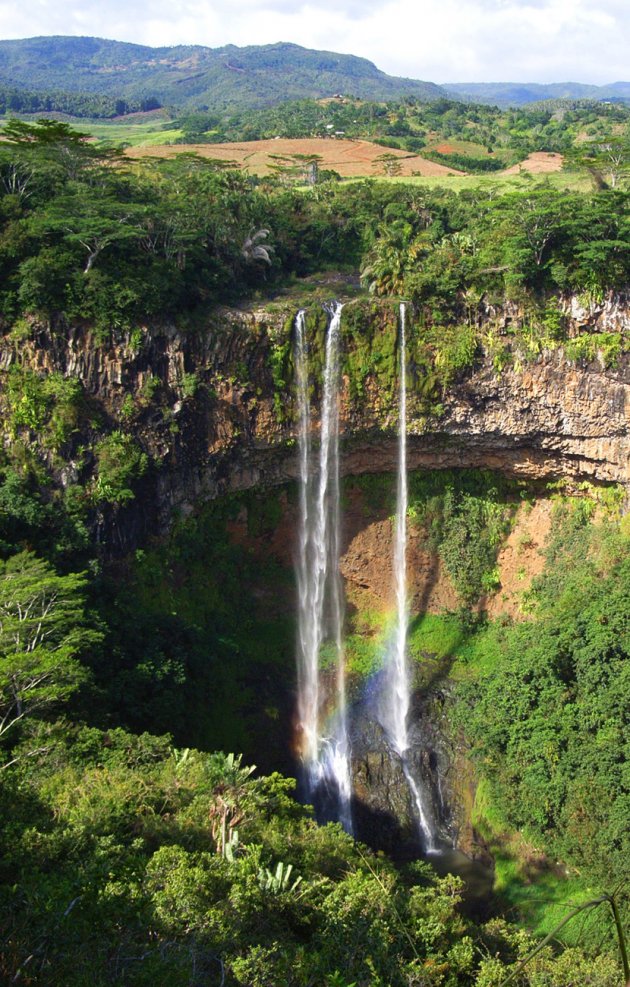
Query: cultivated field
x=538, y=163
x=349, y=158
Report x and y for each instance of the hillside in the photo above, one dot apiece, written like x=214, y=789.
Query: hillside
x=191, y=75
x=522, y=93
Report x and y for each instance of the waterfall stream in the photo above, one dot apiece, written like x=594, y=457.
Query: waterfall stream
x=322, y=707
x=395, y=697
x=322, y=710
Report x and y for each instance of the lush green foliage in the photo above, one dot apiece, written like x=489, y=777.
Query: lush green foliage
x=91, y=105
x=119, y=462
x=121, y=244
x=548, y=716
x=129, y=862
x=42, y=631
x=186, y=861
x=182, y=655
x=465, y=515
x=469, y=136
x=260, y=75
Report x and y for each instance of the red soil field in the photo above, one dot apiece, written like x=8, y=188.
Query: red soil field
x=350, y=158
x=538, y=163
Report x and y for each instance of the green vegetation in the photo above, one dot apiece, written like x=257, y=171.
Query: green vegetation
x=475, y=138
x=182, y=655
x=191, y=75
x=91, y=105
x=548, y=721
x=128, y=860
x=51, y=406
x=188, y=860
x=88, y=235
x=168, y=862
x=542, y=702
x=119, y=462
x=464, y=515
x=42, y=631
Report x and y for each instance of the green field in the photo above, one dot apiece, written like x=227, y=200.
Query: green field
x=471, y=148
x=132, y=131
x=571, y=180
x=132, y=134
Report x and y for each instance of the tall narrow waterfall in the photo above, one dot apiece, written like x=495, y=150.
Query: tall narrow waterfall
x=322, y=709
x=395, y=697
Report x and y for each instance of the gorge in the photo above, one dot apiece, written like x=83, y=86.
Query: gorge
x=290, y=459
x=544, y=417
x=216, y=413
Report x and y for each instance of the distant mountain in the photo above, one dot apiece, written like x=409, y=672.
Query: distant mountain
x=231, y=78
x=228, y=78
x=521, y=93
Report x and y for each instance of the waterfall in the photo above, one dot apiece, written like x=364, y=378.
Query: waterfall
x=322, y=711
x=395, y=698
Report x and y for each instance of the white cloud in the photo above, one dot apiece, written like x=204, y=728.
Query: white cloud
x=440, y=40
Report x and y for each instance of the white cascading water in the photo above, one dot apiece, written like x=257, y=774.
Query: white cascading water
x=395, y=697
x=324, y=749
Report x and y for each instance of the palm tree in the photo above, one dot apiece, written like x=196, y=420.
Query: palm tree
x=252, y=250
x=392, y=256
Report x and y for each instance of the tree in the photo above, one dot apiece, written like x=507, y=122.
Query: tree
x=72, y=150
x=607, y=161
x=119, y=463
x=394, y=253
x=90, y=222
x=523, y=230
x=42, y=632
x=390, y=163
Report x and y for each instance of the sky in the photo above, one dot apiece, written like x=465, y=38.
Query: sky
x=435, y=40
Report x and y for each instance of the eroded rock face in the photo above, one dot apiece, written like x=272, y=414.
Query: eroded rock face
x=220, y=423
x=384, y=811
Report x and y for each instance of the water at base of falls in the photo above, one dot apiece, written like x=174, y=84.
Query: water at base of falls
x=324, y=747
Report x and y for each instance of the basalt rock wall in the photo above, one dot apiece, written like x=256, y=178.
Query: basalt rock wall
x=214, y=408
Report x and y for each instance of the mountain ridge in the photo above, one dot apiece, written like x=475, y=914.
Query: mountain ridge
x=232, y=77
x=223, y=78
x=506, y=94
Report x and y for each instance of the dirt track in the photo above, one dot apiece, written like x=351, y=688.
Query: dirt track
x=350, y=158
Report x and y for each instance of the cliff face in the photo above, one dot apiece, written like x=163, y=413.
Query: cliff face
x=214, y=408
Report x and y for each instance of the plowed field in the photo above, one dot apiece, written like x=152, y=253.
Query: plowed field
x=350, y=158
x=538, y=163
